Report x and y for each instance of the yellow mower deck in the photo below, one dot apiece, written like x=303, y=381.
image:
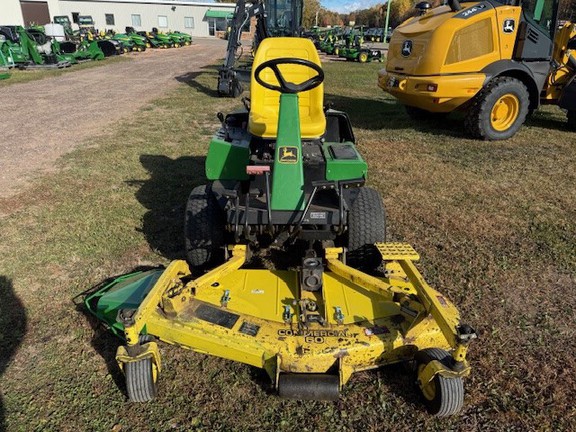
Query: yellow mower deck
x=264, y=318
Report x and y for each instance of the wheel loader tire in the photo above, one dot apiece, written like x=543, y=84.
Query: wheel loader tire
x=498, y=110
x=140, y=380
x=204, y=229
x=442, y=396
x=366, y=226
x=571, y=115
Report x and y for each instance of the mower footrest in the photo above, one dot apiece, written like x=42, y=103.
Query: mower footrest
x=397, y=252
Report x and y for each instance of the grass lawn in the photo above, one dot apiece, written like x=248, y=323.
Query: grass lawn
x=495, y=223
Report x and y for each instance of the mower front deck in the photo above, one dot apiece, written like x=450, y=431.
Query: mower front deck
x=309, y=342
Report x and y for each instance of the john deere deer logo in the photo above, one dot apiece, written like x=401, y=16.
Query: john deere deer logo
x=406, y=48
x=288, y=154
x=509, y=25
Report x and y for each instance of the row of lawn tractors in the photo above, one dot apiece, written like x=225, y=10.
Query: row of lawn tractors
x=139, y=41
x=130, y=40
x=51, y=46
x=348, y=43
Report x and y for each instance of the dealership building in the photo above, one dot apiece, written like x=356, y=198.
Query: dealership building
x=195, y=18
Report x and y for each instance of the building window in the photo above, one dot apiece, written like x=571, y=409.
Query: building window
x=136, y=20
x=217, y=25
x=162, y=21
x=75, y=16
x=189, y=22
x=109, y=19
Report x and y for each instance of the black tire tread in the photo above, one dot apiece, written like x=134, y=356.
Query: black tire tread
x=204, y=229
x=366, y=226
x=140, y=384
x=449, y=391
x=477, y=117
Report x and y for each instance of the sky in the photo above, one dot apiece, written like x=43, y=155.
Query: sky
x=346, y=6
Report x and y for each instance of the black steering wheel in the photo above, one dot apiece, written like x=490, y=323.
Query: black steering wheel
x=286, y=86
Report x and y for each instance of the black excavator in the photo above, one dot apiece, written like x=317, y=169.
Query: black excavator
x=273, y=18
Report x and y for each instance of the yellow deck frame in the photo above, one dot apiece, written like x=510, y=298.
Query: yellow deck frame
x=241, y=315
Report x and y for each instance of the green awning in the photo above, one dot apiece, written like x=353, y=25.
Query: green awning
x=219, y=14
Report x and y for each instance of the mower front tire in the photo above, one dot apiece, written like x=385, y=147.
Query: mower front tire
x=366, y=226
x=204, y=229
x=442, y=396
x=140, y=380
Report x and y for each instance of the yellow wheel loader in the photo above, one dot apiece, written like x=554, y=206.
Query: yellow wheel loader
x=497, y=61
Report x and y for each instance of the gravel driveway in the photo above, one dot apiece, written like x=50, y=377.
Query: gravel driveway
x=42, y=120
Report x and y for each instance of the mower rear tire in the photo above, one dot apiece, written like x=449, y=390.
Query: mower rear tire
x=571, y=116
x=366, y=226
x=442, y=396
x=204, y=229
x=140, y=380
x=498, y=111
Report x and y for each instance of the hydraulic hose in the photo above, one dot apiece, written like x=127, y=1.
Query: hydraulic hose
x=454, y=5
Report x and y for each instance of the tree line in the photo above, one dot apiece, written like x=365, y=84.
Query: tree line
x=315, y=14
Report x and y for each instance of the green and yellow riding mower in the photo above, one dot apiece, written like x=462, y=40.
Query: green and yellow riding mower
x=184, y=38
x=137, y=42
x=176, y=38
x=160, y=40
x=285, y=175
x=356, y=50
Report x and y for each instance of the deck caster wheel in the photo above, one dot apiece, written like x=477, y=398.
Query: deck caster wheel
x=442, y=396
x=141, y=377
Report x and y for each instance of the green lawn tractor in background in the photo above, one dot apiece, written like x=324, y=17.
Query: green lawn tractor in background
x=177, y=39
x=130, y=40
x=184, y=38
x=161, y=40
x=140, y=39
x=355, y=50
x=288, y=268
x=151, y=41
x=125, y=41
x=332, y=42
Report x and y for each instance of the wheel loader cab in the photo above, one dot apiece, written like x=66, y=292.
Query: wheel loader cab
x=265, y=103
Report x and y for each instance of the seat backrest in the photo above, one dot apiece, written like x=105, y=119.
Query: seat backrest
x=265, y=103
